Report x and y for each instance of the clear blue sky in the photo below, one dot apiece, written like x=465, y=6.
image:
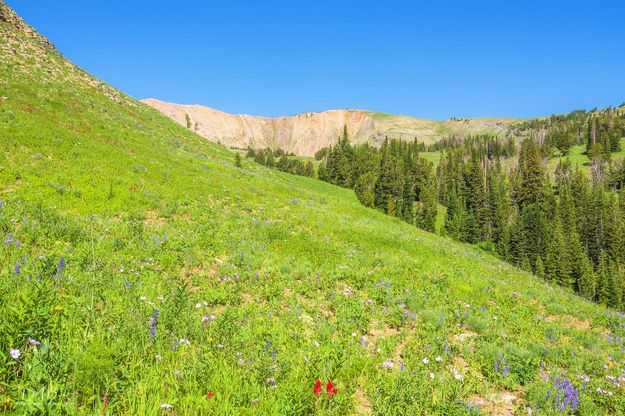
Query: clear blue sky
x=432, y=59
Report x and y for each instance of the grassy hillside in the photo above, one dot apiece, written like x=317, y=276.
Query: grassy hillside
x=142, y=273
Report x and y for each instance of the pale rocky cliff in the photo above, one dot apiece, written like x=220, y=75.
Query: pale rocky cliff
x=304, y=134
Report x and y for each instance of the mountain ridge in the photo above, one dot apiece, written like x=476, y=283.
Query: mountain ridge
x=305, y=133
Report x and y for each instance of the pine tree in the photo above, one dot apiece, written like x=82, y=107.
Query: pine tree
x=499, y=205
x=586, y=282
x=539, y=268
x=427, y=209
x=237, y=160
x=525, y=265
x=474, y=194
x=604, y=280
x=386, y=182
x=364, y=188
x=557, y=264
x=532, y=185
x=455, y=221
x=310, y=170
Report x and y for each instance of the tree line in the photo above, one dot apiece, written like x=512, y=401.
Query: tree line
x=569, y=229
x=393, y=178
x=280, y=160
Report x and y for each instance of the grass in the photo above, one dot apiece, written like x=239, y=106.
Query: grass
x=577, y=156
x=263, y=281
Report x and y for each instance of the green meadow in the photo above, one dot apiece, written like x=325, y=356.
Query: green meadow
x=143, y=273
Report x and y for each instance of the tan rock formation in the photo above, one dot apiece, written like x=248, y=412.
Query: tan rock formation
x=304, y=134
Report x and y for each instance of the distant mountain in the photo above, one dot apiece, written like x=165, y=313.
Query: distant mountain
x=304, y=134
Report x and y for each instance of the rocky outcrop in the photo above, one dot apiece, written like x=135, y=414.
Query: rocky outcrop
x=9, y=16
x=304, y=134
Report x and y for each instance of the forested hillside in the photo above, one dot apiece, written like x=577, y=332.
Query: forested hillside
x=566, y=225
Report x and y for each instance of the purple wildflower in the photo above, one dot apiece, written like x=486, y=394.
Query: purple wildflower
x=566, y=395
x=17, y=269
x=61, y=267
x=153, y=323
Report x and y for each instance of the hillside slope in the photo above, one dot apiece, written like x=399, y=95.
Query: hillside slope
x=143, y=273
x=304, y=134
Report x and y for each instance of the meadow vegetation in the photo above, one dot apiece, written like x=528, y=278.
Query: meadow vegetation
x=143, y=272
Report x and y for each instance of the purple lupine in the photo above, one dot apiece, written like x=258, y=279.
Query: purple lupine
x=9, y=240
x=17, y=269
x=506, y=371
x=61, y=266
x=153, y=323
x=440, y=319
x=566, y=395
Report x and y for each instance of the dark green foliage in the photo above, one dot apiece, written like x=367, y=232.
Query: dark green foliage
x=284, y=162
x=364, y=187
x=321, y=153
x=393, y=179
x=572, y=234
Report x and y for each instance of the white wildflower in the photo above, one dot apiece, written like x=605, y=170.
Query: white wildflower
x=457, y=375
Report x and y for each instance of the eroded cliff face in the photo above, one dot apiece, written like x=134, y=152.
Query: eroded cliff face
x=305, y=133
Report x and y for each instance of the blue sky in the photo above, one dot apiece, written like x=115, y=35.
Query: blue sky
x=431, y=59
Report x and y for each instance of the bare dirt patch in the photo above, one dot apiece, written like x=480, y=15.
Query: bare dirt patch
x=153, y=219
x=363, y=405
x=496, y=404
x=569, y=321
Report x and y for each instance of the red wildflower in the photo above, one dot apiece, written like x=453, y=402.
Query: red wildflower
x=330, y=389
x=317, y=388
x=209, y=394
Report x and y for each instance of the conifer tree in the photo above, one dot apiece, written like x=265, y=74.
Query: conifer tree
x=455, y=222
x=557, y=264
x=532, y=185
x=604, y=281
x=310, y=170
x=474, y=194
x=539, y=269
x=385, y=183
x=427, y=209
